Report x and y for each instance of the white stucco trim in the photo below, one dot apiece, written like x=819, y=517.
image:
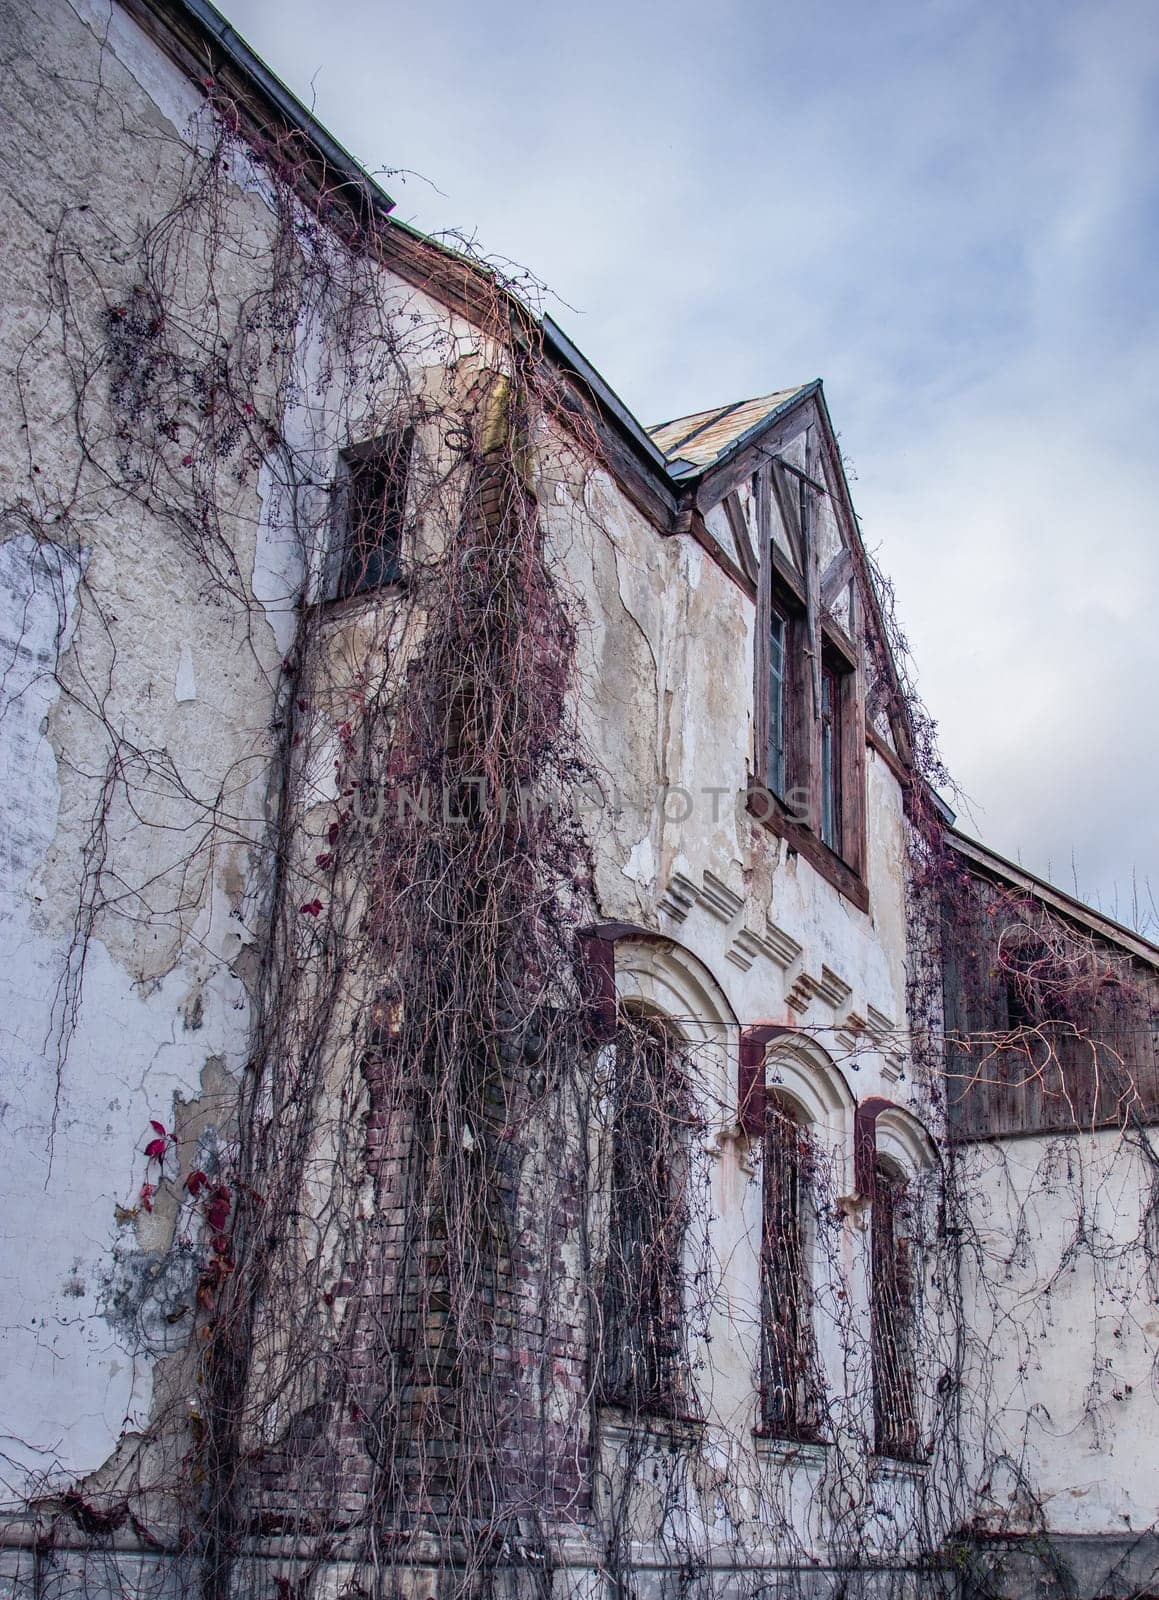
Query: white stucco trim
x=660, y=976
x=801, y=1071
x=902, y=1140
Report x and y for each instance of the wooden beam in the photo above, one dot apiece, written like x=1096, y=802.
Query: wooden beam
x=722, y=480
x=788, y=504
x=708, y=541
x=812, y=574
x=835, y=577
x=876, y=743
x=738, y=523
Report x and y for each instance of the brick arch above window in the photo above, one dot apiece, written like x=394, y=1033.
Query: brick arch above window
x=805, y=1078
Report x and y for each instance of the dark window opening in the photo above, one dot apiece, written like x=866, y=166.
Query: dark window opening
x=893, y=1318
x=373, y=496
x=809, y=734
x=830, y=759
x=1039, y=984
x=643, y=1357
x=790, y=1391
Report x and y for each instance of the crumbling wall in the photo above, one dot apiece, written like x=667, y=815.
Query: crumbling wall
x=138, y=698
x=323, y=1133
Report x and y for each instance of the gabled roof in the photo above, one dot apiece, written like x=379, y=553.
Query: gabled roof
x=706, y=437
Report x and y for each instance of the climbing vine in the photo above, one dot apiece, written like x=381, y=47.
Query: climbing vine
x=456, y=1292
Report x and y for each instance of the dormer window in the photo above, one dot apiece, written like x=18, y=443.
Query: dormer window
x=370, y=505
x=809, y=732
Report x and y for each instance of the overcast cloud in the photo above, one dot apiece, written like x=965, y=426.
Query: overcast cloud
x=948, y=211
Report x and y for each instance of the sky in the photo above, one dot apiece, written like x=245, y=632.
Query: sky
x=946, y=209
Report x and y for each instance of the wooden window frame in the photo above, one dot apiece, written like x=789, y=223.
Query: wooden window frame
x=388, y=455
x=829, y=771
x=780, y=624
x=794, y=813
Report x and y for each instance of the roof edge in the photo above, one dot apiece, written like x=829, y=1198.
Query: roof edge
x=1066, y=904
x=742, y=441
x=561, y=347
x=191, y=24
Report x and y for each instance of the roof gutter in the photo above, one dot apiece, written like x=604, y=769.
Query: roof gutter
x=557, y=343
x=191, y=23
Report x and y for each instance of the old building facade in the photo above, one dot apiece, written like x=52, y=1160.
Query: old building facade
x=513, y=1080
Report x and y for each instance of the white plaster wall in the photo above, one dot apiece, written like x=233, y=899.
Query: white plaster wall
x=108, y=644
x=1062, y=1310
x=142, y=654
x=665, y=696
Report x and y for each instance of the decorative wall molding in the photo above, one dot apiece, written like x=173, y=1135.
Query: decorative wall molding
x=719, y=899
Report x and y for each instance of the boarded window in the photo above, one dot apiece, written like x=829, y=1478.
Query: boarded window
x=642, y=1359
x=790, y=1391
x=894, y=1313
x=372, y=497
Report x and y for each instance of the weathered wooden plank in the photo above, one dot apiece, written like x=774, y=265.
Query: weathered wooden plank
x=708, y=541
x=730, y=474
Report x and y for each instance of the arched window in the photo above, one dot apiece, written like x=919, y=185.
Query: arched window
x=642, y=1361
x=790, y=1383
x=894, y=1314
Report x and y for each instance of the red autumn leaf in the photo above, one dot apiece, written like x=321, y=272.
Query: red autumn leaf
x=220, y=1243
x=311, y=908
x=158, y=1127
x=196, y=1182
x=186, y=461
x=217, y=1209
x=156, y=1149
x=333, y=830
x=148, y=1190
x=323, y=860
